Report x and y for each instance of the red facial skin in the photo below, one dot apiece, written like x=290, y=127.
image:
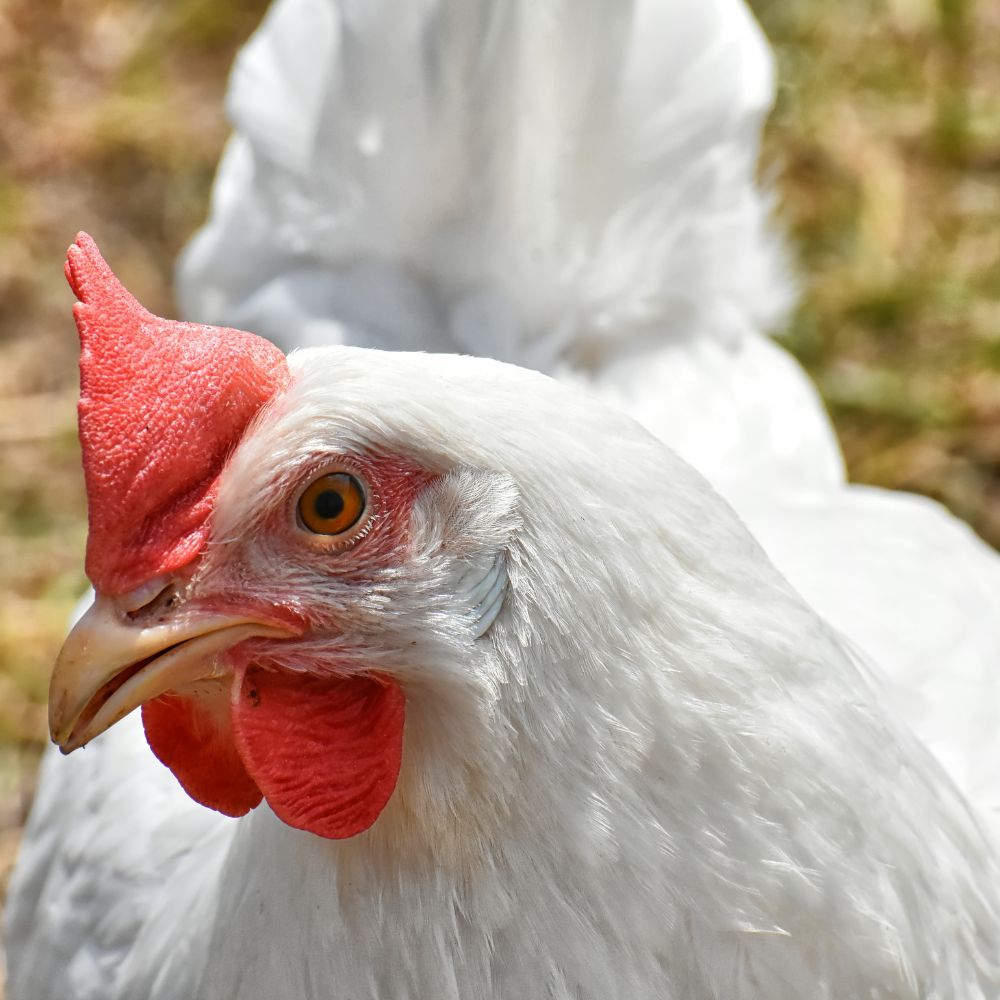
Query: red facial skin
x=163, y=405
x=323, y=745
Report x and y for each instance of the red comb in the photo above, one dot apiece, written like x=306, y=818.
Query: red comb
x=162, y=404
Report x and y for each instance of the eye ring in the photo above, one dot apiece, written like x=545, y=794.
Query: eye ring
x=332, y=504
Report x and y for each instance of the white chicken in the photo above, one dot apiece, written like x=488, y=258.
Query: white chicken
x=571, y=187
x=634, y=762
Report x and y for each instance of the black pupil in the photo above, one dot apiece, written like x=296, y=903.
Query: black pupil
x=329, y=504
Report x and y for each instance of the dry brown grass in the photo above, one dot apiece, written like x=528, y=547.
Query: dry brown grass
x=110, y=121
x=886, y=143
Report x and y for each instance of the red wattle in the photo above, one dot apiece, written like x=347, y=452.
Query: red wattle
x=325, y=752
x=193, y=736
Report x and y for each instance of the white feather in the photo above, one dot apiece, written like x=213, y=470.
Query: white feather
x=568, y=186
x=692, y=281
x=920, y=594
x=658, y=776
x=578, y=171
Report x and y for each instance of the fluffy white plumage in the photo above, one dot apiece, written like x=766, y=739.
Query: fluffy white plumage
x=753, y=832
x=567, y=186
x=616, y=242
x=572, y=189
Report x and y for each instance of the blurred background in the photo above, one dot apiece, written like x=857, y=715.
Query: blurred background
x=883, y=150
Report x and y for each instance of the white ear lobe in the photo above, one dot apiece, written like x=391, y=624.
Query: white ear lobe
x=464, y=523
x=486, y=594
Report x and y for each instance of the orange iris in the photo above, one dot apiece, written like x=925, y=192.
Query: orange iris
x=332, y=504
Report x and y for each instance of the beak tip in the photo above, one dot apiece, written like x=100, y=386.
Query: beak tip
x=57, y=727
x=59, y=737
x=65, y=742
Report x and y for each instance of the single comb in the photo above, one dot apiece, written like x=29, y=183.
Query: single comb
x=162, y=405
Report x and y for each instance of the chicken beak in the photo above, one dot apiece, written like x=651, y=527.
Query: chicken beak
x=109, y=665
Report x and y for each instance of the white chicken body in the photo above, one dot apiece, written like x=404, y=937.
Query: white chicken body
x=699, y=794
x=612, y=235
x=719, y=801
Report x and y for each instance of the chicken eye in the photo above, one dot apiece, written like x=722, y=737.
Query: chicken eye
x=332, y=504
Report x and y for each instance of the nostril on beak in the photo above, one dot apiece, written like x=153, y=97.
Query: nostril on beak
x=153, y=594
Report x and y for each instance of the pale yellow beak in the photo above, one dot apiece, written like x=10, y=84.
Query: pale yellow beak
x=109, y=665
